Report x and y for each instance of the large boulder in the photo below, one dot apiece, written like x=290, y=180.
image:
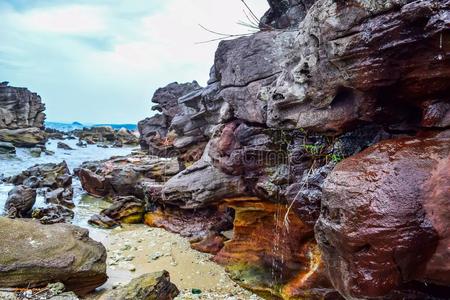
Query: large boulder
x=133, y=175
x=23, y=137
x=33, y=255
x=383, y=221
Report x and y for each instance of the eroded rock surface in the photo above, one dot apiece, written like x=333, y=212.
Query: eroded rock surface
x=382, y=219
x=33, y=255
x=21, y=116
x=137, y=175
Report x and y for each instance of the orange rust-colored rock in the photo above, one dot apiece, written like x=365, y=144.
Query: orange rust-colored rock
x=385, y=218
x=273, y=252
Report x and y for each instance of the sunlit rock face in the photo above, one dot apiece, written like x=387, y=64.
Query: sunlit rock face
x=383, y=222
x=21, y=116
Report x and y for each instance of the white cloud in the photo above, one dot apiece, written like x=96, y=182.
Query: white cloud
x=71, y=19
x=93, y=61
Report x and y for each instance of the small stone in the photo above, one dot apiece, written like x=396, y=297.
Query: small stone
x=196, y=291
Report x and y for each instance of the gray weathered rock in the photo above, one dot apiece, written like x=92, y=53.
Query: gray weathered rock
x=20, y=108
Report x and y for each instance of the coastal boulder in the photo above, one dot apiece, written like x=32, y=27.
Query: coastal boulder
x=20, y=201
x=23, y=137
x=33, y=255
x=130, y=175
x=128, y=210
x=383, y=222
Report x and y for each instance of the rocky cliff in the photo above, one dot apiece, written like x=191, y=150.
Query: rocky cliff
x=21, y=116
x=328, y=146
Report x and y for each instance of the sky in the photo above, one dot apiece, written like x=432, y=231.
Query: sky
x=100, y=61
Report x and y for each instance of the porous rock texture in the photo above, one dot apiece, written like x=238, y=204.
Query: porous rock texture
x=155, y=135
x=33, y=255
x=21, y=116
x=285, y=113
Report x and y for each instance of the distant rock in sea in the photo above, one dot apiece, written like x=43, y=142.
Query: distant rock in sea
x=65, y=127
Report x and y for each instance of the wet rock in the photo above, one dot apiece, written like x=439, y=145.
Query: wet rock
x=23, y=137
x=52, y=214
x=44, y=176
x=105, y=135
x=33, y=255
x=7, y=148
x=103, y=221
x=82, y=144
x=20, y=201
x=64, y=146
x=127, y=210
x=60, y=196
x=36, y=152
x=151, y=286
x=271, y=245
x=202, y=226
x=382, y=221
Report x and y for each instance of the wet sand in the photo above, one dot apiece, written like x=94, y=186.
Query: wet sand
x=138, y=249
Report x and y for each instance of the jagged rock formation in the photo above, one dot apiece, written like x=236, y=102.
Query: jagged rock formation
x=155, y=135
x=33, y=255
x=21, y=116
x=285, y=113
